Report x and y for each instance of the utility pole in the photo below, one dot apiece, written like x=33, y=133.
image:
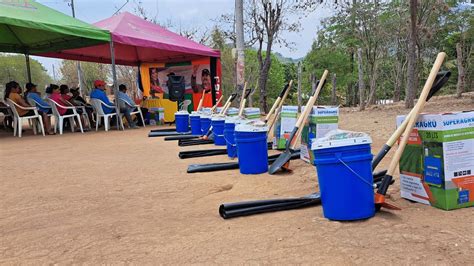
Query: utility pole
x=79, y=70
x=54, y=75
x=239, y=30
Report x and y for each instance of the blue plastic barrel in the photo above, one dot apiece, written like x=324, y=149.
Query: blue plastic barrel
x=251, y=149
x=345, y=180
x=182, y=122
x=205, y=124
x=229, y=128
x=195, y=120
x=218, y=130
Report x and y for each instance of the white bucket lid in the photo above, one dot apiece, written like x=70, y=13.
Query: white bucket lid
x=340, y=138
x=218, y=118
x=194, y=113
x=206, y=110
x=234, y=120
x=206, y=116
x=181, y=113
x=252, y=126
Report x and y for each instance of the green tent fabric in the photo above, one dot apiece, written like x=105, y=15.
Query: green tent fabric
x=28, y=27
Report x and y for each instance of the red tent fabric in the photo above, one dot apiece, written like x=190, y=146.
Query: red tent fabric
x=137, y=40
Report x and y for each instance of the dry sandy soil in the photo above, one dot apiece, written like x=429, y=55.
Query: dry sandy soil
x=120, y=197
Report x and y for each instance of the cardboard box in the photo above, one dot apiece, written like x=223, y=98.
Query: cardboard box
x=322, y=119
x=437, y=166
x=284, y=125
x=252, y=113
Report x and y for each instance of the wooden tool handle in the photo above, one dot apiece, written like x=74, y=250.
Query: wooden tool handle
x=201, y=101
x=243, y=100
x=217, y=103
x=312, y=100
x=242, y=107
x=416, y=110
x=278, y=100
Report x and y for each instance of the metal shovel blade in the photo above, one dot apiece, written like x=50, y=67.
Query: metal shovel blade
x=280, y=162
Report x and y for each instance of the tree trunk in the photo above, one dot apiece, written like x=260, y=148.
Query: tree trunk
x=411, y=69
x=461, y=72
x=300, y=100
x=349, y=90
x=398, y=81
x=333, y=92
x=361, y=80
x=373, y=84
x=263, y=78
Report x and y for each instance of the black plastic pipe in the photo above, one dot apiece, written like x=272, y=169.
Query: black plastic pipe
x=199, y=168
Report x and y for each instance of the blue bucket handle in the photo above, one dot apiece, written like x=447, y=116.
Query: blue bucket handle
x=338, y=155
x=228, y=142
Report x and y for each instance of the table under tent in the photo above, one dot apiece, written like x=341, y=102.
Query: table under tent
x=159, y=54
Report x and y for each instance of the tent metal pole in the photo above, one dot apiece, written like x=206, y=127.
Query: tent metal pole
x=114, y=78
x=28, y=69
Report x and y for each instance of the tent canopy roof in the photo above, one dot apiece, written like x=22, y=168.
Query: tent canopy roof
x=137, y=40
x=29, y=27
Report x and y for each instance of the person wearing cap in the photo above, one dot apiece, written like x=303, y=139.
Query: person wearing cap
x=205, y=81
x=99, y=93
x=125, y=103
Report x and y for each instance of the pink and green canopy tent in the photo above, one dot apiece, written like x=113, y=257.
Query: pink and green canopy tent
x=138, y=41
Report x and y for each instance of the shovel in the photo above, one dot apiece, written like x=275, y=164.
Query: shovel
x=202, y=153
x=207, y=138
x=277, y=103
x=387, y=179
x=441, y=79
x=231, y=210
x=177, y=136
x=285, y=156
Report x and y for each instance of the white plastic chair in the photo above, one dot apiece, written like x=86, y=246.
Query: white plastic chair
x=60, y=118
x=99, y=112
x=7, y=112
x=18, y=120
x=137, y=108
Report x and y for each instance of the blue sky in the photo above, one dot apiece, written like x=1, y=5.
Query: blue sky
x=182, y=13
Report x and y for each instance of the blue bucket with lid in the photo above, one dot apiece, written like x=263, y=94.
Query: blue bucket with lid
x=205, y=123
x=182, y=121
x=229, y=130
x=217, y=123
x=195, y=121
x=252, y=148
x=344, y=166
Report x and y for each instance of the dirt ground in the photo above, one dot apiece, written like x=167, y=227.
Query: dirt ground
x=121, y=197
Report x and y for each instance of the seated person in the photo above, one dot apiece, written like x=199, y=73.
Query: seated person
x=12, y=92
x=99, y=93
x=58, y=98
x=33, y=94
x=64, y=90
x=125, y=108
x=77, y=100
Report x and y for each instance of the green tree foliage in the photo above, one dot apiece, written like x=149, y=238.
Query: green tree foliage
x=279, y=72
x=90, y=72
x=13, y=67
x=381, y=29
